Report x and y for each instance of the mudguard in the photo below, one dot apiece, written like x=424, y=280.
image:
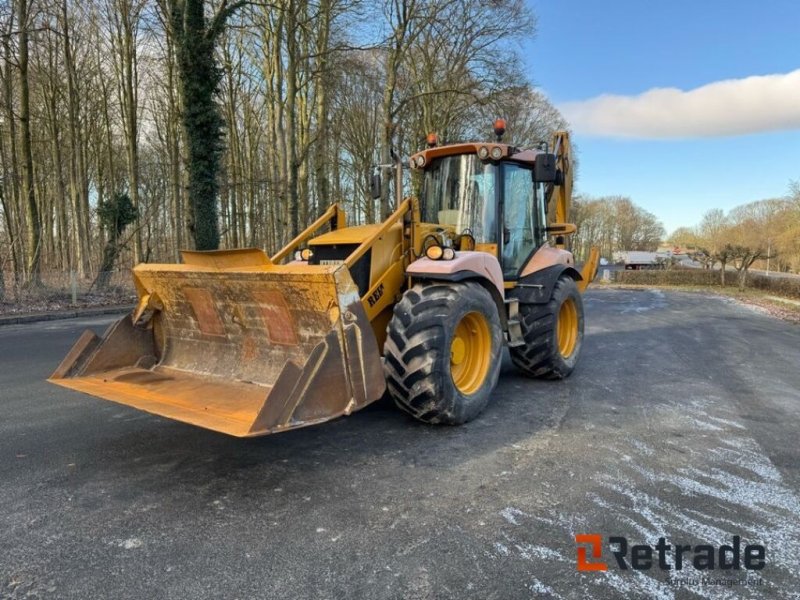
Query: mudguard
x=537, y=287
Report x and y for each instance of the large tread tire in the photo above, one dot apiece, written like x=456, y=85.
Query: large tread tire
x=418, y=345
x=540, y=356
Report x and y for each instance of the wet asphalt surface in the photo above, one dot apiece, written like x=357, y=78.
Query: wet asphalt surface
x=682, y=420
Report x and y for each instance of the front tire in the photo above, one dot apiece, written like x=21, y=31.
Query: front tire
x=442, y=351
x=553, y=333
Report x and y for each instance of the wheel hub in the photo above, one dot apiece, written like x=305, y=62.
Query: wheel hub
x=458, y=350
x=470, y=353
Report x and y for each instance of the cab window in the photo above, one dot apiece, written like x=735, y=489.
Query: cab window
x=519, y=218
x=459, y=192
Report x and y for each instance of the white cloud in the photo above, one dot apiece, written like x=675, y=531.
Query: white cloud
x=731, y=107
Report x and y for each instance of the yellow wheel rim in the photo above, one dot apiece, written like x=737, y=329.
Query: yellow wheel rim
x=471, y=353
x=567, y=328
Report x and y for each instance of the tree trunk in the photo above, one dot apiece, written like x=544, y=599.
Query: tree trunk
x=33, y=238
x=61, y=195
x=174, y=151
x=274, y=75
x=233, y=191
x=2, y=261
x=110, y=253
x=9, y=163
x=386, y=149
x=129, y=81
x=321, y=157
x=76, y=187
x=291, y=117
x=199, y=77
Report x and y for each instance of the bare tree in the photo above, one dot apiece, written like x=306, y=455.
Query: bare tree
x=34, y=225
x=724, y=256
x=195, y=42
x=743, y=259
x=614, y=223
x=124, y=18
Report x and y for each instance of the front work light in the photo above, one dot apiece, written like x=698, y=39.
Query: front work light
x=434, y=252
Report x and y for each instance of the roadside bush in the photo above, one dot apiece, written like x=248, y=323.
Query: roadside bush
x=669, y=277
x=61, y=290
x=774, y=284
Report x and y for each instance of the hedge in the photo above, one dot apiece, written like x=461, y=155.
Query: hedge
x=783, y=286
x=776, y=284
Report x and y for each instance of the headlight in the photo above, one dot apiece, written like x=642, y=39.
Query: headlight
x=448, y=254
x=497, y=152
x=434, y=252
x=298, y=255
x=483, y=153
x=306, y=254
x=420, y=161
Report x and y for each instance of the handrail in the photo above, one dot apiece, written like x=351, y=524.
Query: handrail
x=404, y=207
x=334, y=211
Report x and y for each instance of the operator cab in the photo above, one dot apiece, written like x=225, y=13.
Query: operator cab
x=493, y=192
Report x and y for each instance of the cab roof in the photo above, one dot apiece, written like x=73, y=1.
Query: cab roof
x=508, y=152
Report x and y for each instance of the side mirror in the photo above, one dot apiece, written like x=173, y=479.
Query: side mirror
x=375, y=186
x=544, y=168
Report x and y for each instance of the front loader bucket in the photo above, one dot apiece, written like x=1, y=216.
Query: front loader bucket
x=233, y=343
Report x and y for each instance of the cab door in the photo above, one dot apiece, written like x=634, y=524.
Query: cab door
x=521, y=233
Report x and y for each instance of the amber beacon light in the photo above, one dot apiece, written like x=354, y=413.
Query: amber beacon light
x=499, y=128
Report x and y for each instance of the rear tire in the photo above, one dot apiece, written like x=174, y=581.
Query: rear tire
x=442, y=351
x=553, y=333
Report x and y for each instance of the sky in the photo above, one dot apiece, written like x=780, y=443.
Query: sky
x=683, y=106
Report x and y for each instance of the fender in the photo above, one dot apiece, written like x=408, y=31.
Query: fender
x=468, y=265
x=537, y=288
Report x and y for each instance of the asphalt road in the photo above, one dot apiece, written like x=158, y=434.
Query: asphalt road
x=681, y=421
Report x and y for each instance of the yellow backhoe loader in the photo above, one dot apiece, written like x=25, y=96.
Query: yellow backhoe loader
x=422, y=304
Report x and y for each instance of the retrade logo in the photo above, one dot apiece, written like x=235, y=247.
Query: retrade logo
x=595, y=541
x=642, y=557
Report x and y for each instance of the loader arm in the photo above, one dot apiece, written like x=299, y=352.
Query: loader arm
x=335, y=216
